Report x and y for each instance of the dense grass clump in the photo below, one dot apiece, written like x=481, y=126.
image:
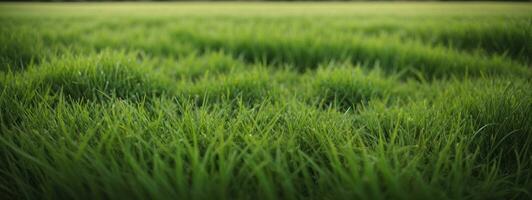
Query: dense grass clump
x=266, y=101
x=249, y=88
x=501, y=119
x=19, y=49
x=347, y=87
x=96, y=77
x=210, y=64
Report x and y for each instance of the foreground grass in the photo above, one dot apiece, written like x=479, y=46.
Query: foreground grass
x=318, y=101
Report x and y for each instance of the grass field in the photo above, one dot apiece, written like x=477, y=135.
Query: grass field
x=266, y=101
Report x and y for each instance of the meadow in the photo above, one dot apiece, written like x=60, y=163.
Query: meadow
x=266, y=100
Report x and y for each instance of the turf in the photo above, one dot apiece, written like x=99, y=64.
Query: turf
x=266, y=100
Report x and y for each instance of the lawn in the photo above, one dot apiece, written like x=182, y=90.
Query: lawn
x=262, y=100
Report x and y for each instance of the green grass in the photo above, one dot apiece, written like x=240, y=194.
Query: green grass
x=266, y=101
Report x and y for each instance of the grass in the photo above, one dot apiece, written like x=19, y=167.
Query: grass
x=266, y=100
